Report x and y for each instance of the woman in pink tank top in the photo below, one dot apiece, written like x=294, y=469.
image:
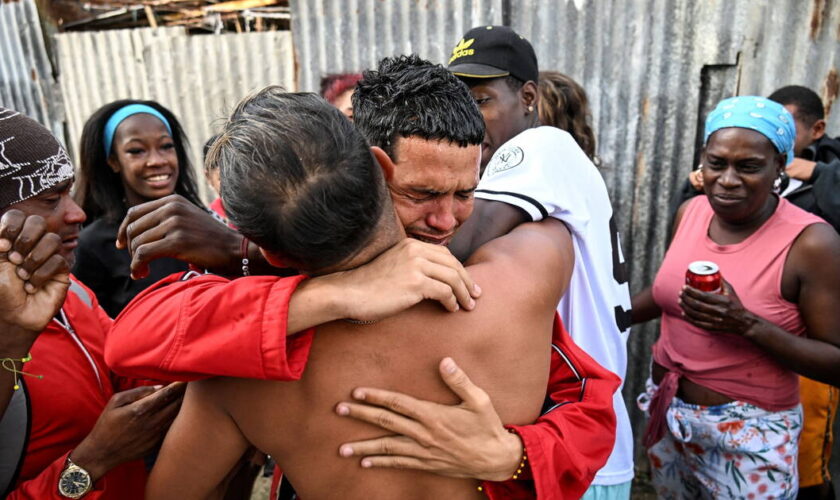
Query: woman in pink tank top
x=723, y=399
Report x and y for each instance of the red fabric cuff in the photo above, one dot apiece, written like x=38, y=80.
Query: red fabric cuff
x=284, y=357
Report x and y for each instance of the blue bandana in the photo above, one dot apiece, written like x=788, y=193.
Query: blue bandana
x=123, y=113
x=767, y=117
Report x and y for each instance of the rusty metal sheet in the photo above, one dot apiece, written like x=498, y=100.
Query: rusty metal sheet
x=334, y=36
x=26, y=73
x=200, y=78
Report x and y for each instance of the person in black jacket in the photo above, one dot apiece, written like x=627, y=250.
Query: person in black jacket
x=815, y=172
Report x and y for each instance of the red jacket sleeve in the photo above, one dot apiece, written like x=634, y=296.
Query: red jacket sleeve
x=188, y=329
x=569, y=443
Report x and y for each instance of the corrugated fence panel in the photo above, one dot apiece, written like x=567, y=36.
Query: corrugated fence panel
x=652, y=69
x=348, y=36
x=200, y=78
x=26, y=74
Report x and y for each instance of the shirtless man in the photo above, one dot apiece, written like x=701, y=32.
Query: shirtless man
x=503, y=342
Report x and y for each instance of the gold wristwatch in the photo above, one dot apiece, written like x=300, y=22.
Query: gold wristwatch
x=74, y=482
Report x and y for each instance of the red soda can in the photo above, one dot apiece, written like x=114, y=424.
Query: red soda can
x=704, y=276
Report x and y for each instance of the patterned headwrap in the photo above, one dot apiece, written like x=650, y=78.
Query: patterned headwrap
x=767, y=117
x=31, y=158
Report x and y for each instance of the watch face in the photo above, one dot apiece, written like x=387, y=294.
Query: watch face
x=74, y=483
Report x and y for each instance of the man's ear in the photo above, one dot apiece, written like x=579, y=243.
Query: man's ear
x=385, y=162
x=530, y=96
x=114, y=163
x=818, y=129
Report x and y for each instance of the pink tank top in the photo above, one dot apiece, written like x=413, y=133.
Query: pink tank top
x=723, y=362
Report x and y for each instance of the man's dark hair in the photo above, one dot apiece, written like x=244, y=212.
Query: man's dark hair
x=407, y=96
x=298, y=179
x=808, y=104
x=206, y=149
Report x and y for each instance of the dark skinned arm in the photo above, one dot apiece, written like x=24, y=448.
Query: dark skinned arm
x=643, y=306
x=34, y=278
x=489, y=220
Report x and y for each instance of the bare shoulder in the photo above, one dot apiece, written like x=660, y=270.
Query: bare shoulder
x=679, y=215
x=219, y=394
x=817, y=249
x=526, y=257
x=530, y=241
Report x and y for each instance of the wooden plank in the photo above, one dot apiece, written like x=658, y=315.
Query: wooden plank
x=150, y=15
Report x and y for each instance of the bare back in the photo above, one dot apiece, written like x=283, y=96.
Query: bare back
x=504, y=344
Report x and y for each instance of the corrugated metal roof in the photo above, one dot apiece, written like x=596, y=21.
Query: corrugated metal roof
x=348, y=36
x=26, y=74
x=200, y=78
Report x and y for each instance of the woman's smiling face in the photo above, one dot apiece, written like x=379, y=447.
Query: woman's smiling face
x=145, y=156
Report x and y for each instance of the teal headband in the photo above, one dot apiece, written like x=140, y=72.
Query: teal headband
x=766, y=117
x=123, y=113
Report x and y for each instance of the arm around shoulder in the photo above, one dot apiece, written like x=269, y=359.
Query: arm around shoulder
x=209, y=326
x=545, y=245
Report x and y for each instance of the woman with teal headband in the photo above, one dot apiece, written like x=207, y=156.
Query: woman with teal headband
x=723, y=396
x=131, y=152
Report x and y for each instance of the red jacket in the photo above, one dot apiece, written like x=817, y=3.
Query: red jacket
x=208, y=326
x=572, y=440
x=68, y=400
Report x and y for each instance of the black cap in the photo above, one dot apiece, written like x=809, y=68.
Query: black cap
x=494, y=52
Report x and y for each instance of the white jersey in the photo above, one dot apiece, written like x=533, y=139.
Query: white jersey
x=544, y=172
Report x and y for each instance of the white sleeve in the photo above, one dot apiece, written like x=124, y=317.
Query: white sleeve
x=545, y=173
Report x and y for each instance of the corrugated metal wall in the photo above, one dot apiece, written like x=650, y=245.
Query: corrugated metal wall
x=652, y=69
x=347, y=36
x=26, y=74
x=200, y=78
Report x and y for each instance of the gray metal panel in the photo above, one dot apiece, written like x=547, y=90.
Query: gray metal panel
x=200, y=78
x=333, y=36
x=26, y=74
x=653, y=69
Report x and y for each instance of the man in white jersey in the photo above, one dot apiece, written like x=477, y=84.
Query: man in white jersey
x=529, y=173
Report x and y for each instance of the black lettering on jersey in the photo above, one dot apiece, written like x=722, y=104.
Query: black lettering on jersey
x=623, y=319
